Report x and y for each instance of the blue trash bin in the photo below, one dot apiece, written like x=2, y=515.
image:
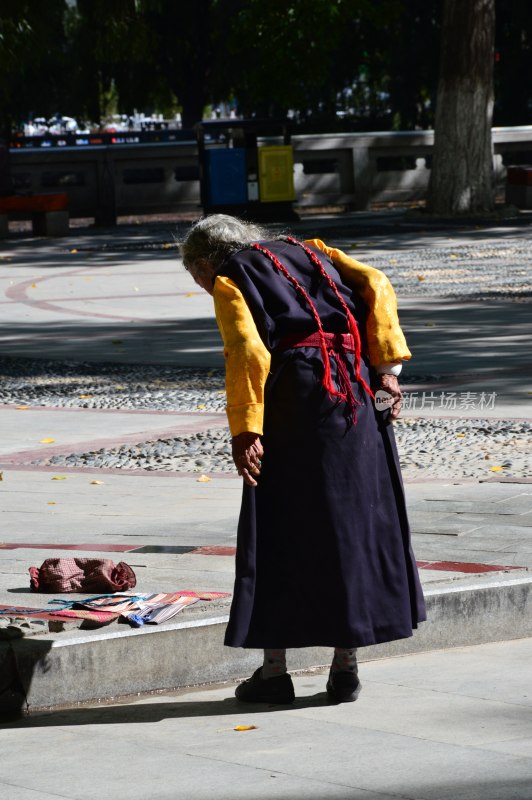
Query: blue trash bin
x=226, y=176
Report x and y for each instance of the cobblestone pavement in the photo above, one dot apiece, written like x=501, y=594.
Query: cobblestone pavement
x=480, y=271
x=476, y=448
x=438, y=447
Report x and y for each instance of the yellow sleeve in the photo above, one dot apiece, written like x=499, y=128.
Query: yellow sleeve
x=386, y=341
x=247, y=360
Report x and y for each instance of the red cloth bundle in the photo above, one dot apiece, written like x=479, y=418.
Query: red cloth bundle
x=82, y=575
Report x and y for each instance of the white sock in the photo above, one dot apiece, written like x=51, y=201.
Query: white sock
x=345, y=660
x=274, y=663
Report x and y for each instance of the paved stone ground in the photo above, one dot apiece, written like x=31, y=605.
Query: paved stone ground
x=112, y=409
x=449, y=725
x=466, y=447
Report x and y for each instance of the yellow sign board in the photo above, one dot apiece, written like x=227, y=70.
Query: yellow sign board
x=276, y=173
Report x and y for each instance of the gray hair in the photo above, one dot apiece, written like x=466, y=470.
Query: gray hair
x=216, y=237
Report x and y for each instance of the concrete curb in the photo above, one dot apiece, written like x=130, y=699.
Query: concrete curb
x=46, y=672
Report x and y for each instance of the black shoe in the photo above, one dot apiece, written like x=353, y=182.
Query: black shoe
x=343, y=687
x=273, y=690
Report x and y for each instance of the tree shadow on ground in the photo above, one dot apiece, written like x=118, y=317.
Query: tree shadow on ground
x=445, y=336
x=179, y=343
x=481, y=342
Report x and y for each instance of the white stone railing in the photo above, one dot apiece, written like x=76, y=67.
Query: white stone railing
x=347, y=169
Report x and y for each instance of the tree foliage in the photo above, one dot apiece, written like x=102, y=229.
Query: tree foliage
x=317, y=57
x=513, y=63
x=313, y=57
x=32, y=73
x=105, y=45
x=355, y=64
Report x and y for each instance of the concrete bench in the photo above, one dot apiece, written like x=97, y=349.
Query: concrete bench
x=49, y=213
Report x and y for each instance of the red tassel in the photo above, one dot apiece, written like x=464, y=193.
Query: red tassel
x=351, y=322
x=345, y=391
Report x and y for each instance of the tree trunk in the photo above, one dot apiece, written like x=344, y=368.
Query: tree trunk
x=461, y=180
x=193, y=100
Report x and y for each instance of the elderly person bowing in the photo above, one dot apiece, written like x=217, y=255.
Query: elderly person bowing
x=323, y=550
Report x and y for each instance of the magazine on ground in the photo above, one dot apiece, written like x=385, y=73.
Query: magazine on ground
x=142, y=608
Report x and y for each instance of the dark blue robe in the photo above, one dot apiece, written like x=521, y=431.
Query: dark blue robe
x=323, y=550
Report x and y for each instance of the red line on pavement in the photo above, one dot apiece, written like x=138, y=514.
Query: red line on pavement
x=73, y=299
x=212, y=416
x=103, y=548
x=228, y=550
x=138, y=437
x=147, y=473
x=213, y=550
x=463, y=566
x=18, y=294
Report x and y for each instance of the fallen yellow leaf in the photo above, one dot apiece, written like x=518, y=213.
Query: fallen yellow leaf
x=47, y=441
x=22, y=408
x=51, y=503
x=421, y=277
x=33, y=285
x=96, y=483
x=85, y=396
x=73, y=250
x=392, y=261
x=496, y=469
x=119, y=386
x=191, y=294
x=201, y=405
x=245, y=728
x=203, y=479
x=59, y=478
x=453, y=256
x=460, y=435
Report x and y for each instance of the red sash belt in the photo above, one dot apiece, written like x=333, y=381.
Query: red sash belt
x=337, y=345
x=337, y=342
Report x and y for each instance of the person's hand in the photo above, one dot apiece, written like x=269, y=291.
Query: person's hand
x=390, y=384
x=247, y=454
